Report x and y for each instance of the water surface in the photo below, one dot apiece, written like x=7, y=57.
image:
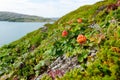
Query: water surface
x=11, y=31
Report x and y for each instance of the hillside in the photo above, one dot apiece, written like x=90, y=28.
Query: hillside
x=16, y=17
x=82, y=45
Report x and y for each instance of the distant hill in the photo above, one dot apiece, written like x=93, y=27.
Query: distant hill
x=16, y=17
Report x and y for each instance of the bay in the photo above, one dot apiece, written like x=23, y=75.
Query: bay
x=11, y=31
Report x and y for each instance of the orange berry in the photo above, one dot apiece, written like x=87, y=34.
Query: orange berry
x=79, y=20
x=64, y=33
x=81, y=39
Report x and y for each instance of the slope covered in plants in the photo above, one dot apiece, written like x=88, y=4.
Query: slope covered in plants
x=91, y=27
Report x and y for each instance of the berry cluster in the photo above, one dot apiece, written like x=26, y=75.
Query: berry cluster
x=81, y=38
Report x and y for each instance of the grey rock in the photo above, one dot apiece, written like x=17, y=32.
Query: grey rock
x=93, y=54
x=68, y=63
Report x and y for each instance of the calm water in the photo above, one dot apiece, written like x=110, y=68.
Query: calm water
x=11, y=31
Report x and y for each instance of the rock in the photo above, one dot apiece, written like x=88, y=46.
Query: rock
x=74, y=59
x=65, y=64
x=92, y=59
x=93, y=54
x=39, y=77
x=113, y=21
x=93, y=51
x=44, y=29
x=57, y=66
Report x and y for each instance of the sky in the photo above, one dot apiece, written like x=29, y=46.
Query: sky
x=44, y=8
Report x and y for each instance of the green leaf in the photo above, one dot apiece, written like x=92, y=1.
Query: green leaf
x=39, y=65
x=80, y=58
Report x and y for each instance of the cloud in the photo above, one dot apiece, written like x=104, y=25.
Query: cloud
x=45, y=8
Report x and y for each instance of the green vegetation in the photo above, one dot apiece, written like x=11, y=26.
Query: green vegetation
x=28, y=57
x=15, y=17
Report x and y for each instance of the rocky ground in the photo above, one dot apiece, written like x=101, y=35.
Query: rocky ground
x=64, y=64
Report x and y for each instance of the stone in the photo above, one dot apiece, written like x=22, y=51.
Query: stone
x=93, y=54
